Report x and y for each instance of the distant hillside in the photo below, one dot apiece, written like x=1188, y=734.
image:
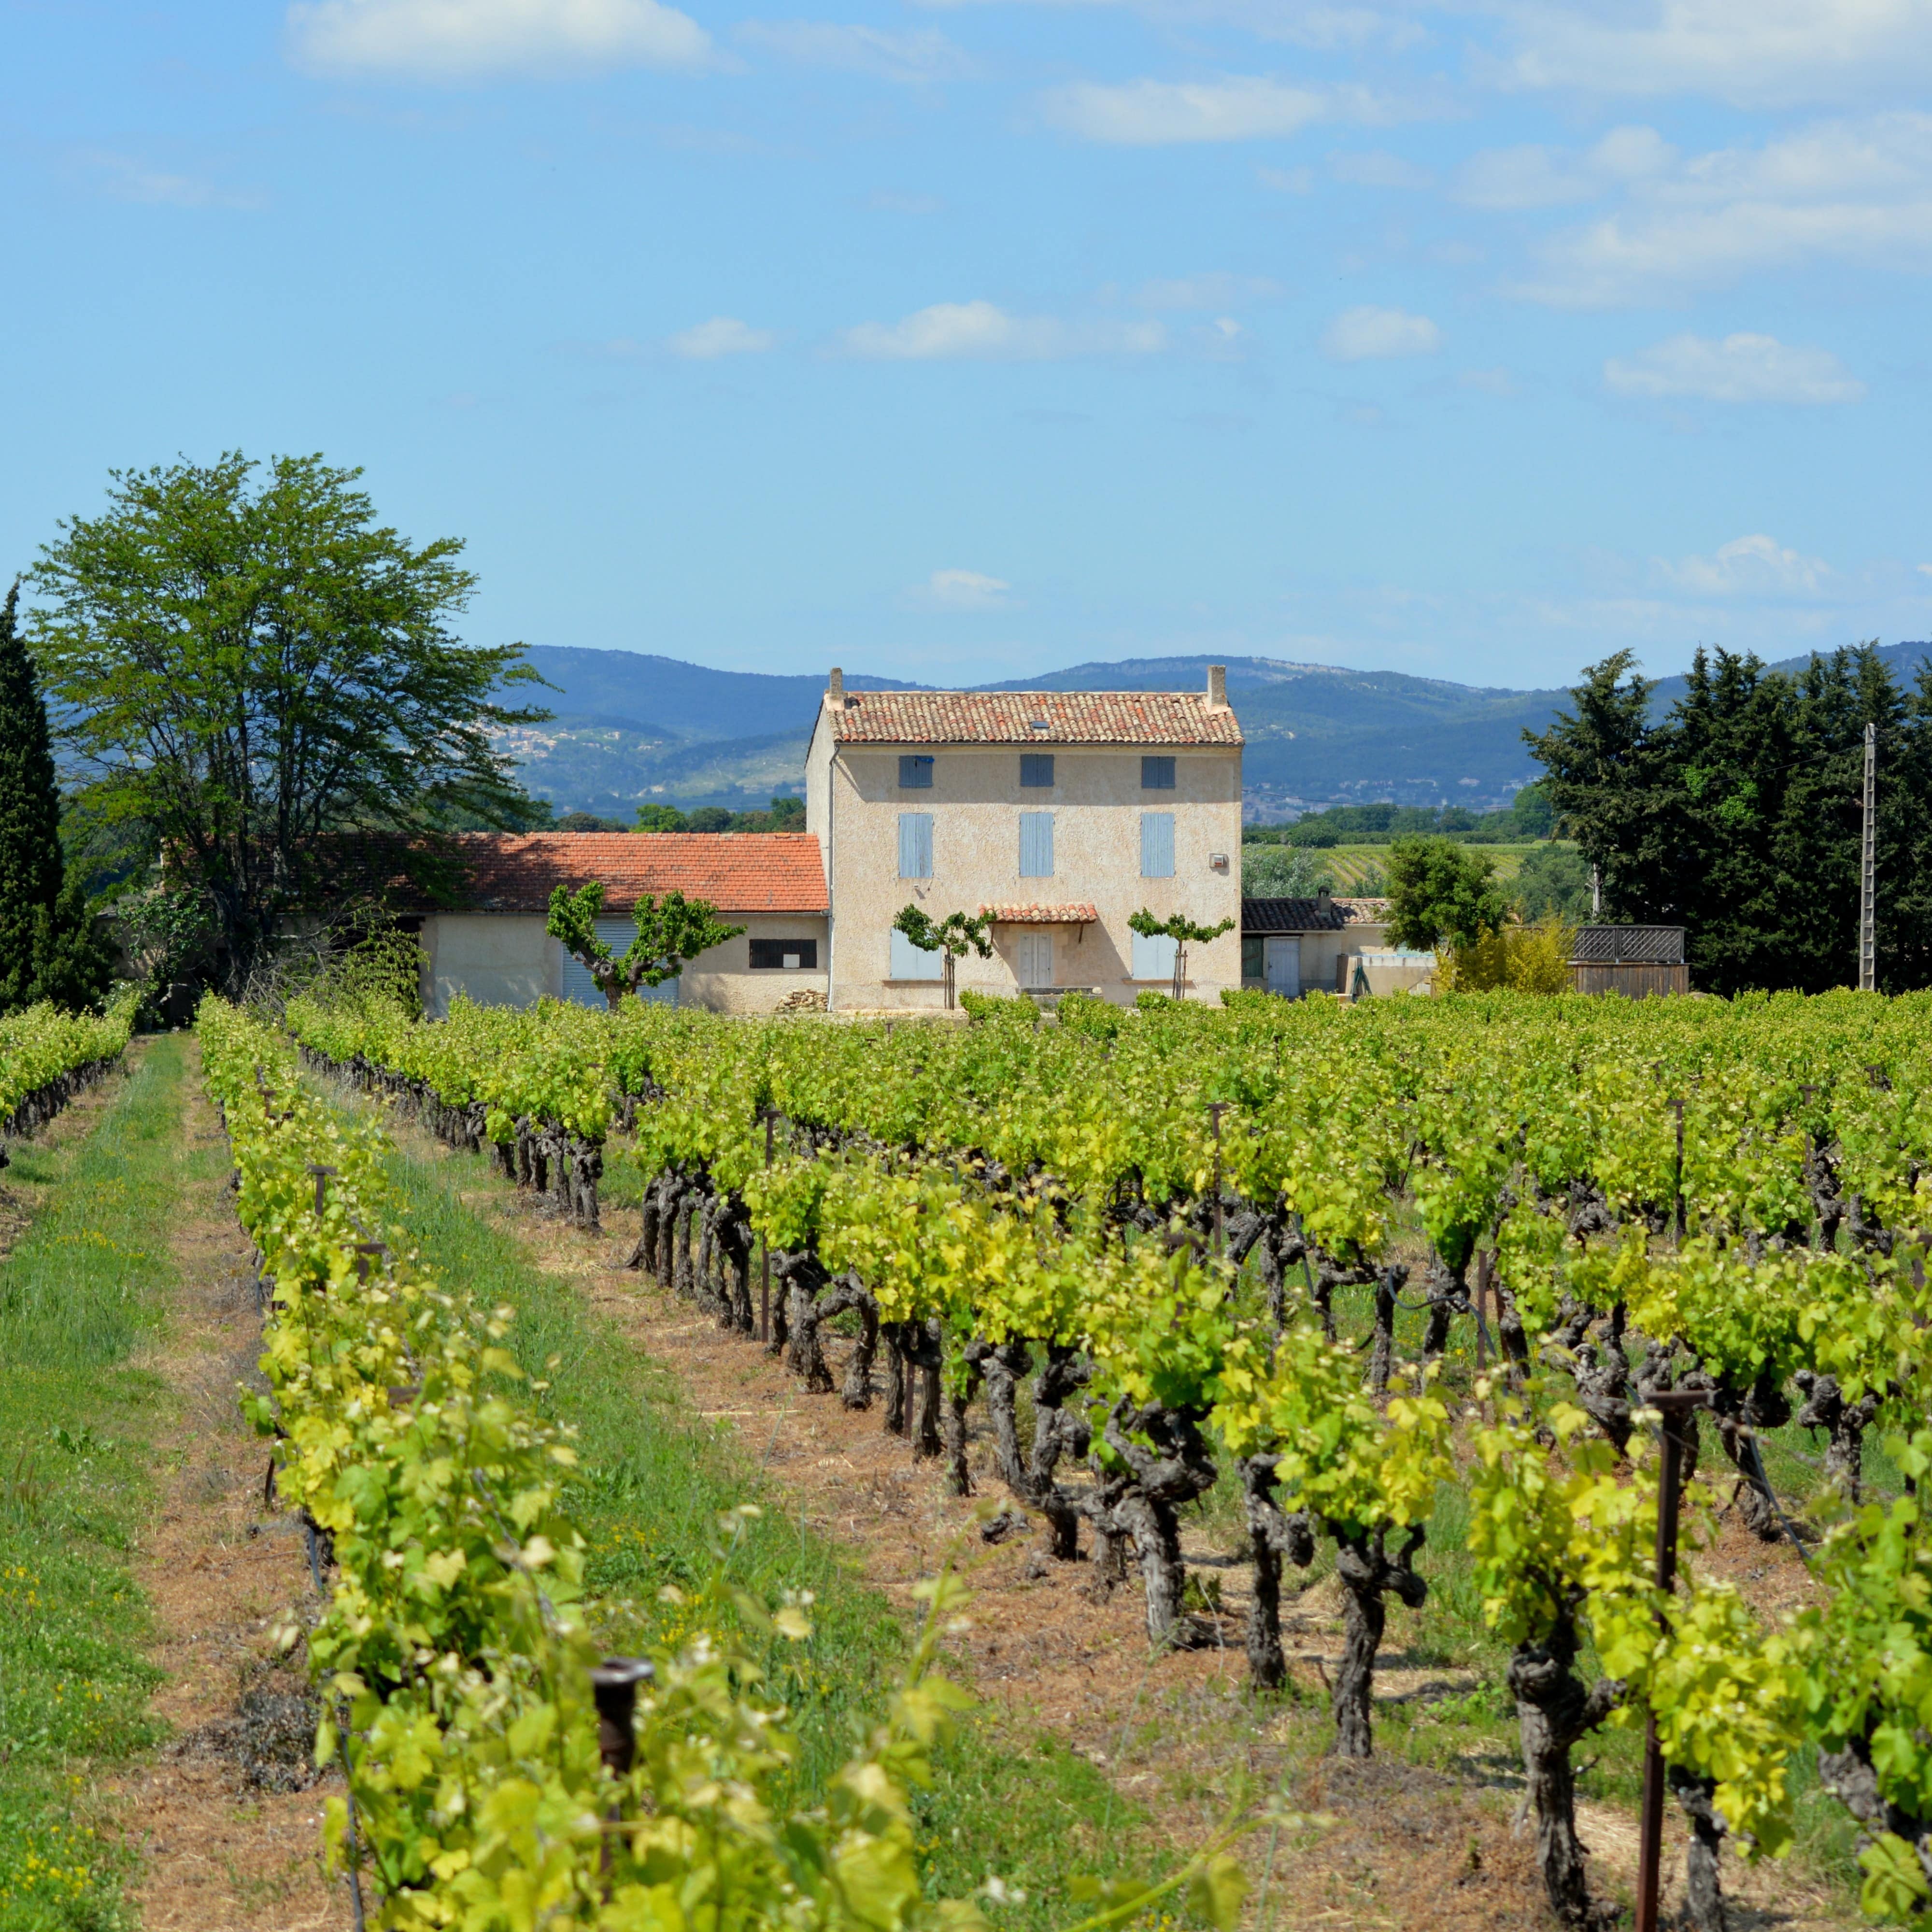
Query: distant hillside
x=631, y=727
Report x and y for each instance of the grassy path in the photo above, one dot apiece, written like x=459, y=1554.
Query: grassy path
x=139, y=1784
x=83, y=1287
x=656, y=1477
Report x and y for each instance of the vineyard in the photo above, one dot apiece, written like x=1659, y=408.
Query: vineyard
x=1139, y=1249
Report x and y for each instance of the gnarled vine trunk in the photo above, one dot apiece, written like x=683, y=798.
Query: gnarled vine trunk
x=1367, y=1572
x=1168, y=1468
x=1553, y=1710
x=1275, y=1536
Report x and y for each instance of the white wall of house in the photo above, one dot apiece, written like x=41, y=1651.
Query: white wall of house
x=499, y=959
x=508, y=959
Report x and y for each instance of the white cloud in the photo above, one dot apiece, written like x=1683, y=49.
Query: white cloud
x=1538, y=177
x=980, y=331
x=456, y=40
x=1490, y=382
x=1359, y=335
x=1750, y=566
x=1768, y=52
x=124, y=178
x=1741, y=368
x=1208, y=291
x=965, y=590
x=925, y=56
x=722, y=335
x=1855, y=192
x=1376, y=169
x=1161, y=113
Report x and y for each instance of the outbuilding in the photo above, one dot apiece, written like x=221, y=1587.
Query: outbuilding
x=1291, y=946
x=492, y=945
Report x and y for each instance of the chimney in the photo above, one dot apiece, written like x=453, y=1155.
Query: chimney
x=835, y=685
x=1217, y=687
x=1325, y=899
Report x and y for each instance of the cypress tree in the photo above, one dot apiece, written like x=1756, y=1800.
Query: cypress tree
x=48, y=949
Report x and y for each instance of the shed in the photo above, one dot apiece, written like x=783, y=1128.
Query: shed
x=1291, y=946
x=1639, y=961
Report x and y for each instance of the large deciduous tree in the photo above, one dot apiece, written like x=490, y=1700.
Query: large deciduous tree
x=49, y=949
x=249, y=667
x=1440, y=891
x=1737, y=814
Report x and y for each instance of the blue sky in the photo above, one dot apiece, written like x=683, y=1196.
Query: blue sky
x=954, y=340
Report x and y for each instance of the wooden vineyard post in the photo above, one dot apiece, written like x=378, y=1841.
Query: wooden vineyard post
x=1674, y=1406
x=769, y=1116
x=1677, y=1210
x=1484, y=1257
x=1216, y=1108
x=322, y=1176
x=614, y=1689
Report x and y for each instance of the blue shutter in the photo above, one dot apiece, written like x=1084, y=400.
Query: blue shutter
x=580, y=990
x=908, y=962
x=1157, y=845
x=915, y=844
x=1035, y=845
x=1153, y=958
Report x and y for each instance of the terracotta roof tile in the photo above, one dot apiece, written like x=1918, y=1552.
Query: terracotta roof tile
x=1040, y=915
x=1310, y=915
x=1010, y=717
x=737, y=871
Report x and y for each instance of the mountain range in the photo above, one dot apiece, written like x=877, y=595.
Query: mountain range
x=628, y=728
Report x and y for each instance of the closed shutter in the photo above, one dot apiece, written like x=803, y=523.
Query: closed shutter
x=1153, y=958
x=1035, y=845
x=908, y=962
x=1157, y=845
x=915, y=844
x=580, y=989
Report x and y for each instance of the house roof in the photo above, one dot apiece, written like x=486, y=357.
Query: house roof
x=1310, y=915
x=1041, y=915
x=1014, y=717
x=737, y=871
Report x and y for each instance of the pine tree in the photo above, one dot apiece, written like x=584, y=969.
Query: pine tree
x=48, y=946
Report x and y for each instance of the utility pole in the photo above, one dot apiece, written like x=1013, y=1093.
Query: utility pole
x=1868, y=924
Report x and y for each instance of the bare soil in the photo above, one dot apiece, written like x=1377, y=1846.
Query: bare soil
x=228, y=1815
x=1405, y=1846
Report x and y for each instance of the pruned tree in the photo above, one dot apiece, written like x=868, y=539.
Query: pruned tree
x=954, y=936
x=249, y=668
x=671, y=932
x=1183, y=931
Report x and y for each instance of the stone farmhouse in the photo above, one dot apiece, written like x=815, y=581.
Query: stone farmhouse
x=1057, y=814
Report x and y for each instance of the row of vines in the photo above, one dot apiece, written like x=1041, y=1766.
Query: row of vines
x=47, y=1056
x=1149, y=1214
x=502, y=1775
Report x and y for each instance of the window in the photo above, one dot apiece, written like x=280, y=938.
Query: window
x=1037, y=769
x=1153, y=958
x=785, y=956
x=908, y=962
x=916, y=772
x=1035, y=845
x=1156, y=774
x=915, y=844
x=1157, y=845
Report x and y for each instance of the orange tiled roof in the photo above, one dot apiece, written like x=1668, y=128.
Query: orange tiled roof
x=1010, y=717
x=737, y=871
x=1040, y=915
